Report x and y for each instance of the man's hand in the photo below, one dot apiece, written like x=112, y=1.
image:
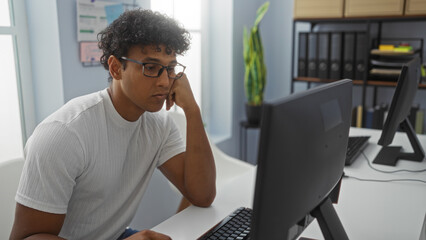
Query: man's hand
x=148, y=235
x=181, y=94
x=192, y=172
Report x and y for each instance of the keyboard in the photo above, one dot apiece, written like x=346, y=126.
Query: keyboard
x=355, y=146
x=234, y=226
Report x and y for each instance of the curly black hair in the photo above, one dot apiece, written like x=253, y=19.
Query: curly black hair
x=141, y=28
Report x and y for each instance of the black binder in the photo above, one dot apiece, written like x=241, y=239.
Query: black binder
x=349, y=55
x=303, y=55
x=323, y=55
x=360, y=55
x=312, y=54
x=336, y=56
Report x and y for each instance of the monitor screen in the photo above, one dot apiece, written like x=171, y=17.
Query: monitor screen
x=302, y=150
x=397, y=117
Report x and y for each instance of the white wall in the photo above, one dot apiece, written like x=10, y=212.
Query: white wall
x=218, y=69
x=276, y=30
x=45, y=53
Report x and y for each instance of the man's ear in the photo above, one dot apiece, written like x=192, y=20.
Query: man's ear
x=114, y=67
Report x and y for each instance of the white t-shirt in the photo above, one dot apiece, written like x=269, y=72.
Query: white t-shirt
x=89, y=163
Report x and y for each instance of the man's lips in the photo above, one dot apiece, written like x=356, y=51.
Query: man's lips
x=161, y=96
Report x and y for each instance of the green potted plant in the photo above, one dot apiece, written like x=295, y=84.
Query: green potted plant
x=255, y=69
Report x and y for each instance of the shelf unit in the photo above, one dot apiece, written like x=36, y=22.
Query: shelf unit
x=368, y=21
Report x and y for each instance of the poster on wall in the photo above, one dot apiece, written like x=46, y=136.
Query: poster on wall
x=90, y=52
x=93, y=18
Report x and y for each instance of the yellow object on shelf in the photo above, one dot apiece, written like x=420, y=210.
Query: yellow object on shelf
x=386, y=47
x=403, y=49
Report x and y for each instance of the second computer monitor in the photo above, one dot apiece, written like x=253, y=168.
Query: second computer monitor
x=302, y=150
x=397, y=117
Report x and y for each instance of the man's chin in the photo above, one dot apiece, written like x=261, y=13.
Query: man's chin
x=155, y=108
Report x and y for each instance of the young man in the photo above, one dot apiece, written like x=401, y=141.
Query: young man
x=88, y=164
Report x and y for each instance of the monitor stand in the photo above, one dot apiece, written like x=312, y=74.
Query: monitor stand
x=329, y=222
x=390, y=155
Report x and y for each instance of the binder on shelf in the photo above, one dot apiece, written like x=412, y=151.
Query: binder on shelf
x=369, y=115
x=354, y=116
x=359, y=116
x=336, y=55
x=349, y=55
x=374, y=117
x=420, y=116
x=312, y=54
x=379, y=117
x=360, y=55
x=303, y=51
x=413, y=115
x=323, y=55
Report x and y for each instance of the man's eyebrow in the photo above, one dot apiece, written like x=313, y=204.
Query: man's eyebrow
x=156, y=60
x=150, y=59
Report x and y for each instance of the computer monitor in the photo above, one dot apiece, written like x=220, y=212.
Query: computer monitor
x=399, y=110
x=302, y=150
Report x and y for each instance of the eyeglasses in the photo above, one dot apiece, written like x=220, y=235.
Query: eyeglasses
x=155, y=69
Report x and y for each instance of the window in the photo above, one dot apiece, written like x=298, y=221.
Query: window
x=210, y=58
x=14, y=68
x=188, y=13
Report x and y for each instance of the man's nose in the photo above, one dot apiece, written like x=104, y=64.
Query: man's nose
x=163, y=79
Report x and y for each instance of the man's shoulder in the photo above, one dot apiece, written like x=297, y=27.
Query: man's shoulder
x=79, y=107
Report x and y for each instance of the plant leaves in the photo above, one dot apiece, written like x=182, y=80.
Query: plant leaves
x=255, y=68
x=261, y=11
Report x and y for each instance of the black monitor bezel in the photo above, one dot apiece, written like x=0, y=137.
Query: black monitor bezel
x=319, y=206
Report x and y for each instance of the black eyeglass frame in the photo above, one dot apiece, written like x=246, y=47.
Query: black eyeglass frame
x=159, y=71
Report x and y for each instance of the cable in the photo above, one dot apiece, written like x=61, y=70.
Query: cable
x=395, y=171
x=389, y=180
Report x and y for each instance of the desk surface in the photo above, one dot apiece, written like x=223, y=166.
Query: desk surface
x=368, y=210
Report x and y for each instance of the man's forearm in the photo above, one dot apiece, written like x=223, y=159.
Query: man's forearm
x=42, y=236
x=200, y=171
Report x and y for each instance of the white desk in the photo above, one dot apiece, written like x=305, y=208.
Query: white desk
x=368, y=210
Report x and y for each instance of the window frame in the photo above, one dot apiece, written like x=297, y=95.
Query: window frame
x=204, y=60
x=18, y=29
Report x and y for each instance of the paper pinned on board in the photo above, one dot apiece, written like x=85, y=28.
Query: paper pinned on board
x=90, y=52
x=91, y=19
x=113, y=12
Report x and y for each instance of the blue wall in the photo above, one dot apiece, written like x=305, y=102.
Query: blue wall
x=43, y=27
x=77, y=80
x=58, y=74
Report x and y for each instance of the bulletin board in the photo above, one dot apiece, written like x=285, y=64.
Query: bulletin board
x=92, y=17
